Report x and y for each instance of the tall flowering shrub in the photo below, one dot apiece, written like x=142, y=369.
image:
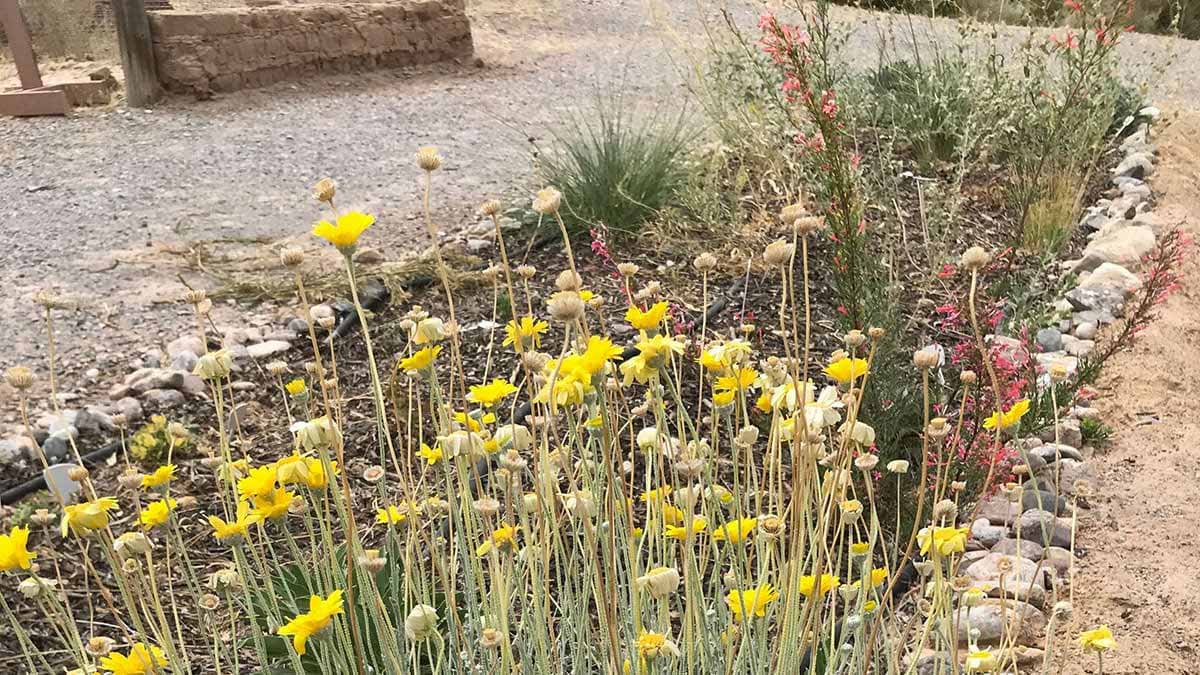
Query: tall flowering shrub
x=802, y=54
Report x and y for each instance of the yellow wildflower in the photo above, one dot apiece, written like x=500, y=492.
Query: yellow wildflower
x=421, y=360
x=722, y=399
x=156, y=513
x=238, y=527
x=981, y=661
x=296, y=387
x=259, y=481
x=846, y=370
x=656, y=495
x=1008, y=418
x=699, y=525
x=140, y=660
x=943, y=541
x=1099, y=639
x=392, y=515
x=345, y=231
x=273, y=505
x=740, y=379
x=160, y=476
x=809, y=584
x=503, y=538
x=652, y=645
x=430, y=455
x=88, y=516
x=14, y=550
x=647, y=320
x=735, y=531
x=488, y=395
x=524, y=333
x=320, y=612
x=752, y=602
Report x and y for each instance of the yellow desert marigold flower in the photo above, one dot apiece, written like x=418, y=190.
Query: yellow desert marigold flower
x=88, y=516
x=599, y=351
x=159, y=477
x=391, y=515
x=140, y=660
x=680, y=533
x=273, y=505
x=1008, y=418
x=879, y=575
x=752, y=602
x=431, y=455
x=296, y=387
x=524, y=333
x=943, y=541
x=809, y=584
x=740, y=379
x=722, y=399
x=238, y=527
x=650, y=646
x=846, y=370
x=345, y=230
x=14, y=550
x=1099, y=639
x=157, y=513
x=488, y=395
x=647, y=320
x=653, y=353
x=735, y=531
x=656, y=495
x=981, y=661
x=258, y=482
x=502, y=539
x=421, y=359
x=320, y=612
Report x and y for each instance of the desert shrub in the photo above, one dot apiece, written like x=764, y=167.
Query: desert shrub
x=617, y=168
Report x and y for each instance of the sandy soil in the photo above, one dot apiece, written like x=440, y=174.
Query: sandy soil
x=1139, y=574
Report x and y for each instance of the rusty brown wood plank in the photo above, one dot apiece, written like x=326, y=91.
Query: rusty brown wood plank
x=31, y=103
x=20, y=43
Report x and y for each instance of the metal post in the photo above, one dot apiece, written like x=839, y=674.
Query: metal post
x=137, y=52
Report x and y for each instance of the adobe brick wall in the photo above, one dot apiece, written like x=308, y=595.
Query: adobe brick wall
x=226, y=50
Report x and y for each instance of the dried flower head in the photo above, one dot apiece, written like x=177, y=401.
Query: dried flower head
x=19, y=378
x=866, y=462
x=131, y=479
x=789, y=214
x=100, y=646
x=491, y=207
x=809, y=224
x=49, y=299
x=705, y=262
x=975, y=258
x=898, y=466
x=568, y=280
x=1058, y=372
x=372, y=561
x=945, y=510
x=209, y=602
x=566, y=306
x=779, y=253
x=277, y=368
x=854, y=339
x=968, y=377
x=42, y=517
x=373, y=474
x=926, y=358
x=526, y=272
x=547, y=201
x=628, y=269
x=428, y=158
x=490, y=638
x=958, y=485
x=195, y=296
x=325, y=190
x=876, y=333
x=78, y=473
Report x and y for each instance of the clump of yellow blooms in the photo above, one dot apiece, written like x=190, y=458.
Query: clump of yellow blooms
x=579, y=506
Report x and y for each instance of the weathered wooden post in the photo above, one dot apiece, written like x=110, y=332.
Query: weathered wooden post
x=137, y=52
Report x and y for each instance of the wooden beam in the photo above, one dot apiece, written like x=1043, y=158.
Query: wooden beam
x=20, y=43
x=137, y=52
x=31, y=103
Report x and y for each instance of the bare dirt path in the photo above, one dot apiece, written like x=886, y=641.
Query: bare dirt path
x=1139, y=574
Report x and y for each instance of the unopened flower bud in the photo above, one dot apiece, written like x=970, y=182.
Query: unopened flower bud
x=77, y=473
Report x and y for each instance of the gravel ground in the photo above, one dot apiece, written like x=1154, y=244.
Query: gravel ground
x=96, y=203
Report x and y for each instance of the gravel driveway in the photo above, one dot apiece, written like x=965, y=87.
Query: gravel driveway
x=92, y=200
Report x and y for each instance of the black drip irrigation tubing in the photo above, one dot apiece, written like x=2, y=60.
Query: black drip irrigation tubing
x=375, y=296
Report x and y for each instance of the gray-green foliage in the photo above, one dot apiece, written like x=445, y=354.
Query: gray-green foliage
x=617, y=167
